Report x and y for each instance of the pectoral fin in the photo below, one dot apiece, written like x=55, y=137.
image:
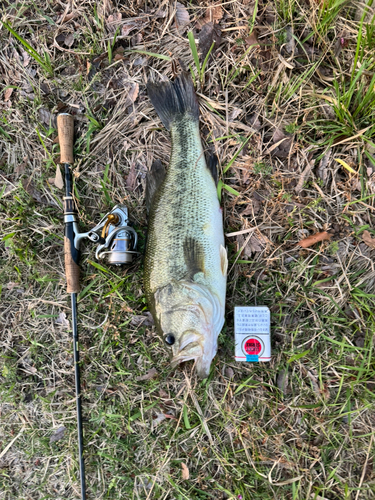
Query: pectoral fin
x=223, y=260
x=154, y=179
x=194, y=257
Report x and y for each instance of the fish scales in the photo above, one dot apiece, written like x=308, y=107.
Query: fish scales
x=185, y=262
x=184, y=207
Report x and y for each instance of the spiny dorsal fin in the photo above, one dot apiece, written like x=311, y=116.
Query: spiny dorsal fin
x=194, y=257
x=155, y=176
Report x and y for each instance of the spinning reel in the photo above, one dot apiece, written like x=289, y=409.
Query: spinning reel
x=117, y=241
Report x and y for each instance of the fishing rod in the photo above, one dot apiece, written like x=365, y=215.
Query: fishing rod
x=117, y=241
x=65, y=128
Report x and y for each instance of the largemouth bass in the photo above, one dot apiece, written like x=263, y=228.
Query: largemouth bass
x=186, y=261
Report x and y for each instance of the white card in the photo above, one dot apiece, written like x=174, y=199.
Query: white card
x=252, y=333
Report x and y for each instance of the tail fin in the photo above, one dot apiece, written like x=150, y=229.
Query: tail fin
x=172, y=100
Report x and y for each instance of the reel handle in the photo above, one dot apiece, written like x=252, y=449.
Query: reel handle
x=65, y=128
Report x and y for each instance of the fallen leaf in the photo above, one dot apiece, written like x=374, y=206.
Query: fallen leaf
x=57, y=435
x=322, y=168
x=159, y=418
x=21, y=167
x=67, y=17
x=26, y=58
x=370, y=242
x=209, y=34
x=256, y=243
x=129, y=26
x=59, y=181
x=213, y=14
x=182, y=17
x=185, y=471
x=69, y=71
x=69, y=40
x=60, y=38
x=304, y=176
x=163, y=394
x=355, y=184
x=119, y=57
x=314, y=238
x=136, y=39
x=131, y=178
x=278, y=135
x=132, y=95
x=246, y=251
x=253, y=207
x=152, y=373
x=113, y=21
x=234, y=114
x=360, y=337
x=253, y=121
x=8, y=93
x=252, y=39
x=47, y=117
x=33, y=191
x=145, y=319
x=62, y=321
x=282, y=143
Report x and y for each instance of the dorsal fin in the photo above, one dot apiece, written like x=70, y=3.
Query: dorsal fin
x=155, y=176
x=212, y=163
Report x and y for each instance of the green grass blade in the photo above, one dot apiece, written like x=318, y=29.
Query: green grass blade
x=33, y=53
x=235, y=156
x=146, y=53
x=194, y=51
x=206, y=60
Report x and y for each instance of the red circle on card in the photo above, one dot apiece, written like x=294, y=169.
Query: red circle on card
x=252, y=346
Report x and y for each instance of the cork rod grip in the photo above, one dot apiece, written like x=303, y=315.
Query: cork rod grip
x=65, y=128
x=71, y=268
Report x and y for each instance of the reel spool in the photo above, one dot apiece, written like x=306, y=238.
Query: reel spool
x=117, y=241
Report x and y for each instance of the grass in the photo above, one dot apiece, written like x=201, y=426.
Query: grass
x=299, y=427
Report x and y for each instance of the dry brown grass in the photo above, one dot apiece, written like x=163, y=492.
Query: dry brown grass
x=299, y=427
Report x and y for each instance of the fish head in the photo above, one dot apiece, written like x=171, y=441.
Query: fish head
x=190, y=316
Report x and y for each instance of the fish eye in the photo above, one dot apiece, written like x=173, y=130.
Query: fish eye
x=169, y=339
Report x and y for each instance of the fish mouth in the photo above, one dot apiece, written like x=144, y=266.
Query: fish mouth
x=194, y=351
x=191, y=348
